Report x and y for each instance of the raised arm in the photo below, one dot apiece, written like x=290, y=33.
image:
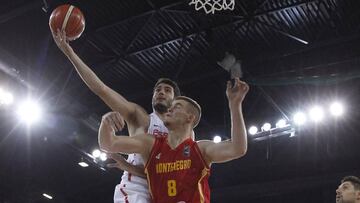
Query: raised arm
x=237, y=146
x=133, y=114
x=111, y=143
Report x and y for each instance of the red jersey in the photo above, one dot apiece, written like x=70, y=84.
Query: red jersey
x=177, y=175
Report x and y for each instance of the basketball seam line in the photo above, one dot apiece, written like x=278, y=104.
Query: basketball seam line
x=67, y=16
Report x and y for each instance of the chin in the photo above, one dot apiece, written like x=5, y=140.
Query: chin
x=167, y=123
x=160, y=107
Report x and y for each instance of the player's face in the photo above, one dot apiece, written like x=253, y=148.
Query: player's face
x=177, y=114
x=162, y=97
x=346, y=193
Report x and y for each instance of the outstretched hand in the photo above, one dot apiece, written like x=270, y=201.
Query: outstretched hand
x=62, y=41
x=113, y=121
x=237, y=92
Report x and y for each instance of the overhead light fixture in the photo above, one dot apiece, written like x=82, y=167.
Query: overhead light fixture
x=6, y=98
x=217, y=139
x=336, y=109
x=96, y=153
x=253, y=130
x=266, y=127
x=316, y=114
x=47, y=196
x=29, y=111
x=103, y=156
x=281, y=123
x=83, y=164
x=299, y=118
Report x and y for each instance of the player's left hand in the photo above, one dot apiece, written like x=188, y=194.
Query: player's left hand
x=119, y=163
x=237, y=92
x=113, y=120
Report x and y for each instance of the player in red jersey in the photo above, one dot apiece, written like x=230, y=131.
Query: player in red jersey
x=178, y=167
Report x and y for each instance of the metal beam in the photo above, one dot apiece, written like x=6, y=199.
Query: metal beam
x=233, y=22
x=281, y=8
x=240, y=21
x=282, y=32
x=139, y=32
x=135, y=17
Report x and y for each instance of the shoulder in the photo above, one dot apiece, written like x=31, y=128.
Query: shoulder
x=203, y=144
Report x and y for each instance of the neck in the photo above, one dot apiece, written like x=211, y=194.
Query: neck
x=179, y=135
x=161, y=115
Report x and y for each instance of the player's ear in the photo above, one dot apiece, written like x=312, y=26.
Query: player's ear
x=191, y=118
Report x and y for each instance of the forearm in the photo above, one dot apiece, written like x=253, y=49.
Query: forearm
x=86, y=74
x=238, y=130
x=113, y=99
x=111, y=143
x=106, y=138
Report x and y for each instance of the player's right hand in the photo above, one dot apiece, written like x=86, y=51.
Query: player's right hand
x=113, y=120
x=61, y=41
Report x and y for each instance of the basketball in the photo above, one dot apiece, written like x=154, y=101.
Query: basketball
x=69, y=18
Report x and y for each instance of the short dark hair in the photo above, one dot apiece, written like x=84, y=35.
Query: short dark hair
x=170, y=82
x=355, y=181
x=194, y=104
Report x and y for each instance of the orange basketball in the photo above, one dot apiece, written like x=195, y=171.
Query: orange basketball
x=69, y=18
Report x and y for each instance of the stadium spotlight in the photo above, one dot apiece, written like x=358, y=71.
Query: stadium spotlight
x=337, y=109
x=299, y=118
x=83, y=164
x=281, y=123
x=96, y=153
x=266, y=127
x=253, y=130
x=316, y=114
x=47, y=196
x=217, y=139
x=29, y=112
x=103, y=156
x=6, y=98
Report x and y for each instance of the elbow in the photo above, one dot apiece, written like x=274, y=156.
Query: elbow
x=104, y=147
x=240, y=152
x=107, y=147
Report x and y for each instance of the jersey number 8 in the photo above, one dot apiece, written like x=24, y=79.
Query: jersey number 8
x=171, y=188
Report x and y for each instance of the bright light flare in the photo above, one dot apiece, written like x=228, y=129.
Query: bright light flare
x=337, y=109
x=266, y=127
x=96, y=153
x=29, y=112
x=281, y=123
x=103, y=156
x=299, y=118
x=217, y=139
x=253, y=130
x=6, y=98
x=83, y=164
x=316, y=114
x=47, y=196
